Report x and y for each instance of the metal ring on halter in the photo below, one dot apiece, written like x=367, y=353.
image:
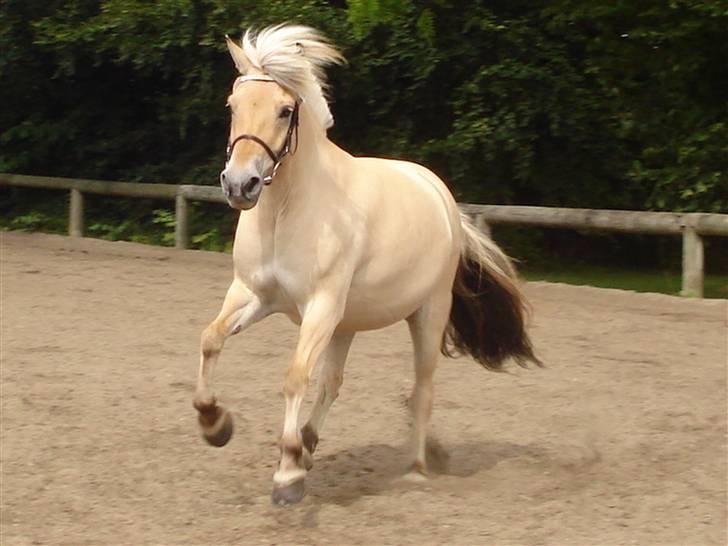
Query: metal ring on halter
x=285, y=150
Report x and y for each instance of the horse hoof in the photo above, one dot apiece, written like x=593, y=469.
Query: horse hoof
x=288, y=494
x=217, y=431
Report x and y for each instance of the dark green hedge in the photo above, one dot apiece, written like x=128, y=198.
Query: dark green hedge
x=564, y=102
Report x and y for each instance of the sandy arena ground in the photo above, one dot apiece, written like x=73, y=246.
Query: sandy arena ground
x=621, y=440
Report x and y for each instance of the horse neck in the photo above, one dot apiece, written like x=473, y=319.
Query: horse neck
x=293, y=186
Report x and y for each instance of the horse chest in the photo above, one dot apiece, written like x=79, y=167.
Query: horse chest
x=280, y=285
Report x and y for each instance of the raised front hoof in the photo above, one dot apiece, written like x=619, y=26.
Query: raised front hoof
x=288, y=494
x=217, y=426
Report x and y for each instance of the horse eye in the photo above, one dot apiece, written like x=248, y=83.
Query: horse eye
x=286, y=112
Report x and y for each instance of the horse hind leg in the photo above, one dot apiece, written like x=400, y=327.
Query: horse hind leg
x=240, y=309
x=332, y=376
x=426, y=328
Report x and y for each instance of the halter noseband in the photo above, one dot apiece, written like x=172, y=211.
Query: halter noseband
x=285, y=150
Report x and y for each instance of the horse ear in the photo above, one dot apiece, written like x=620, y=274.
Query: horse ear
x=236, y=52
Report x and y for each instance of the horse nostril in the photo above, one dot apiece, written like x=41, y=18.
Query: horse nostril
x=251, y=186
x=222, y=176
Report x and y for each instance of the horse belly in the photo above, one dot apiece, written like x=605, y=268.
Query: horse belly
x=394, y=286
x=378, y=312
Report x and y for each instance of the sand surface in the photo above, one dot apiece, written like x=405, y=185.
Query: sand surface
x=621, y=440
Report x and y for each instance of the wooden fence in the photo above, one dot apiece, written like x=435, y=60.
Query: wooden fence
x=692, y=226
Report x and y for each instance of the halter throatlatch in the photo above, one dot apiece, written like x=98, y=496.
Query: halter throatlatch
x=277, y=158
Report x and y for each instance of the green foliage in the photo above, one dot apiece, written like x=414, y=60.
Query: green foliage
x=31, y=221
x=363, y=15
x=122, y=89
x=664, y=67
x=559, y=102
x=567, y=102
x=665, y=282
x=212, y=240
x=689, y=173
x=165, y=218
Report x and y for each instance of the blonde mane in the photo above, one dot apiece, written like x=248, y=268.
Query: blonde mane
x=295, y=56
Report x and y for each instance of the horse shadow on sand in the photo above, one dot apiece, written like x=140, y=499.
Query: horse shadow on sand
x=346, y=476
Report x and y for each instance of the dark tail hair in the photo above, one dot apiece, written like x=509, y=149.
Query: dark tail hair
x=488, y=315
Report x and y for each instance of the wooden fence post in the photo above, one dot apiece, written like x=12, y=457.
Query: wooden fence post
x=75, y=214
x=692, y=263
x=181, y=230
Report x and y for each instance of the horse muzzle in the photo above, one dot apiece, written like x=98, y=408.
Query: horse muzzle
x=241, y=193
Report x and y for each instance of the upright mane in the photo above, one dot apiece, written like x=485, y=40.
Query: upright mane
x=295, y=56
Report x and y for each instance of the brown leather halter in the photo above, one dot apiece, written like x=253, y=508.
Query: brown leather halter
x=277, y=158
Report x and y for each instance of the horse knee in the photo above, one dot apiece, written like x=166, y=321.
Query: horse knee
x=296, y=381
x=211, y=340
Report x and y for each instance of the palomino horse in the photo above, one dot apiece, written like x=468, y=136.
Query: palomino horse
x=341, y=244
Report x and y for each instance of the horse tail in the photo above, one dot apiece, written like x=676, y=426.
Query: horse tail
x=489, y=311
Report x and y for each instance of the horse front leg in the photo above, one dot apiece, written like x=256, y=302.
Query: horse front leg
x=240, y=309
x=317, y=328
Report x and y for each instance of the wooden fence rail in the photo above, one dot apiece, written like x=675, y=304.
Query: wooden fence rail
x=692, y=226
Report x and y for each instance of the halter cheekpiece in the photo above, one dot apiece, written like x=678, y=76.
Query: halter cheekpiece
x=277, y=158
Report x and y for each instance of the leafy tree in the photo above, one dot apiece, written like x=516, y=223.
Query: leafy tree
x=559, y=102
x=663, y=65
